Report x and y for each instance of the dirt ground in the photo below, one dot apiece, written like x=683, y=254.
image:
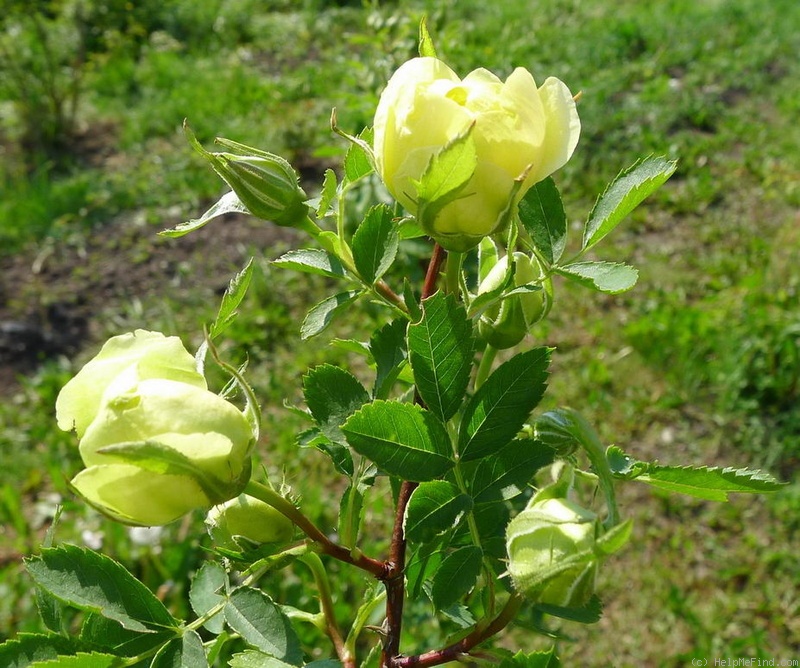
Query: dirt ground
x=53, y=296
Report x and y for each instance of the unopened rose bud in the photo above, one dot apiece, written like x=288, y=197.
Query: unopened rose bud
x=550, y=546
x=506, y=324
x=156, y=443
x=267, y=186
x=265, y=183
x=249, y=518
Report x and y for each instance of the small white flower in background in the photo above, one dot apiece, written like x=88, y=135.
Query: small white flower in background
x=146, y=537
x=92, y=539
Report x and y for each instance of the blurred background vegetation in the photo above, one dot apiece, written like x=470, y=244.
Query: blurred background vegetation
x=700, y=363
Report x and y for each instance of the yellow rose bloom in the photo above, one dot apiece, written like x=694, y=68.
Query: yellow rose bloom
x=521, y=133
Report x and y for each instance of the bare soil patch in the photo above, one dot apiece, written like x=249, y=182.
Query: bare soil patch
x=53, y=297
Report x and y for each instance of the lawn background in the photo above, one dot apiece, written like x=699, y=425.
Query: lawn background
x=700, y=363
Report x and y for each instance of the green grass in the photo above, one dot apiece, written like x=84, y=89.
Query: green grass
x=698, y=364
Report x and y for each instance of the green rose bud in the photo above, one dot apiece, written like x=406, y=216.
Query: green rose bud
x=160, y=450
x=521, y=134
x=267, y=186
x=550, y=548
x=265, y=183
x=506, y=324
x=249, y=518
x=123, y=361
x=155, y=441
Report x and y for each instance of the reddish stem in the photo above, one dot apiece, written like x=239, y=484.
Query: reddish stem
x=452, y=652
x=394, y=579
x=434, y=267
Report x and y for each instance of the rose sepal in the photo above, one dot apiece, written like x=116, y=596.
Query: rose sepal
x=448, y=172
x=162, y=459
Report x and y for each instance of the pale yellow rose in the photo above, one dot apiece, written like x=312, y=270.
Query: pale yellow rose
x=200, y=427
x=520, y=132
x=121, y=363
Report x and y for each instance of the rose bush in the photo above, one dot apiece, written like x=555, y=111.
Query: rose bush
x=521, y=135
x=155, y=441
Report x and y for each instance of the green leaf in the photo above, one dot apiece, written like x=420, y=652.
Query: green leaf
x=441, y=347
x=375, y=243
x=204, y=594
x=460, y=615
x=434, y=508
x=614, y=539
x=320, y=316
x=253, y=659
x=563, y=429
x=110, y=636
x=491, y=297
x=165, y=460
x=411, y=300
x=184, y=652
x=237, y=288
x=339, y=454
x=360, y=348
x=487, y=257
x=50, y=610
x=491, y=520
x=497, y=411
x=708, y=482
x=80, y=660
x=590, y=613
x=260, y=622
x=93, y=582
x=446, y=175
x=358, y=159
x=426, y=48
x=333, y=395
x=624, y=194
x=327, y=196
x=311, y=261
x=609, y=277
x=409, y=228
x=422, y=565
x=623, y=465
x=351, y=515
x=544, y=659
x=228, y=203
x=389, y=350
x=28, y=648
x=542, y=214
x=456, y=576
x=503, y=476
x=402, y=439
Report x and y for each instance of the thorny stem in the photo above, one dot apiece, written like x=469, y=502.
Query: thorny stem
x=394, y=580
x=434, y=267
x=458, y=649
x=325, y=544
